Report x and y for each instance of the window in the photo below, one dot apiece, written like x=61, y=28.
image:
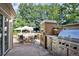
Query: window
x=1, y=33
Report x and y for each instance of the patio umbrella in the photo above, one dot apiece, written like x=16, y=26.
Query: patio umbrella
x=27, y=28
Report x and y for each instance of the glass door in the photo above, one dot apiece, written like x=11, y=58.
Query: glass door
x=1, y=33
x=6, y=34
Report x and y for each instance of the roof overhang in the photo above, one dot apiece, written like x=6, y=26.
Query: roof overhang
x=74, y=25
x=7, y=10
x=13, y=13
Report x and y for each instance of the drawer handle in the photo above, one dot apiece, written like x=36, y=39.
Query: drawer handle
x=75, y=48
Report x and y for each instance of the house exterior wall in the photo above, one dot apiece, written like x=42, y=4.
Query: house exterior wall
x=7, y=12
x=10, y=34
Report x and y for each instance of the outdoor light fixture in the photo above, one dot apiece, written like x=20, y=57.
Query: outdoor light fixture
x=56, y=29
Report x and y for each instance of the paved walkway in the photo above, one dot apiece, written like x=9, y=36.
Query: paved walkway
x=30, y=49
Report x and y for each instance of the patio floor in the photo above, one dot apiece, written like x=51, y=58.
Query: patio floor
x=28, y=49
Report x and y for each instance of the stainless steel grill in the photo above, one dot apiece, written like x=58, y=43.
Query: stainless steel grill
x=69, y=42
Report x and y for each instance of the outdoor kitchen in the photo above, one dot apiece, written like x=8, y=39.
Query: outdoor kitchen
x=60, y=40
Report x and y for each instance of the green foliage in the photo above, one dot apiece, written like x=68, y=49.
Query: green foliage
x=32, y=14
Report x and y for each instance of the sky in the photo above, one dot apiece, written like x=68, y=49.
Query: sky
x=39, y=1
x=15, y=6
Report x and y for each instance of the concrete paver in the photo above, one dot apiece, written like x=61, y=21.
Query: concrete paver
x=31, y=49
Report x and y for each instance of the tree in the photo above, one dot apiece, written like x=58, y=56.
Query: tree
x=32, y=14
x=70, y=11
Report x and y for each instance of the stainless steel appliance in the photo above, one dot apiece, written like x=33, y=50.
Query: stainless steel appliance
x=69, y=42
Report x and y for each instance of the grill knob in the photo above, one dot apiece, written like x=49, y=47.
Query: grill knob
x=59, y=42
x=75, y=48
x=63, y=43
x=67, y=45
